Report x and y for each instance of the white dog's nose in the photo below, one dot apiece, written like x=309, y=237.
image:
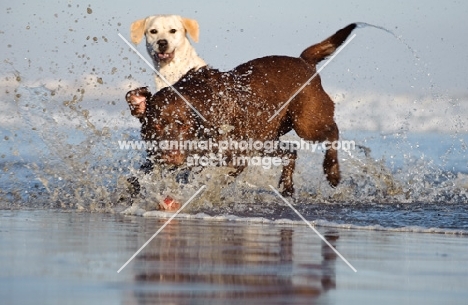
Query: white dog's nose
x=163, y=45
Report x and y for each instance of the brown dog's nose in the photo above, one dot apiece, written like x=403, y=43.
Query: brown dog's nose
x=162, y=43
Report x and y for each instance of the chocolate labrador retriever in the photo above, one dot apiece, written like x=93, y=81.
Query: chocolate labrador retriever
x=262, y=100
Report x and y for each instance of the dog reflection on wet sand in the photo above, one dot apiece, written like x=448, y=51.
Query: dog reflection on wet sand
x=244, y=262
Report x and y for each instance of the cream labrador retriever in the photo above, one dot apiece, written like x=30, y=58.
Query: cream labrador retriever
x=168, y=45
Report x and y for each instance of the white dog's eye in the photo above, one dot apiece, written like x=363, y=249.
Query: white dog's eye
x=153, y=31
x=172, y=31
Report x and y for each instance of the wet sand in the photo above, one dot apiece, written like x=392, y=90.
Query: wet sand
x=52, y=257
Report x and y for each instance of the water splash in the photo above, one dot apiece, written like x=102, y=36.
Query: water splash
x=361, y=25
x=59, y=158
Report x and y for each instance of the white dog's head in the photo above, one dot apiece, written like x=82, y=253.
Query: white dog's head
x=165, y=35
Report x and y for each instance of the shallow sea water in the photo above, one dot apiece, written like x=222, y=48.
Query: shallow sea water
x=56, y=257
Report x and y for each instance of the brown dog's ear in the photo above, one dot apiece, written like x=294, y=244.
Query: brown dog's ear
x=192, y=28
x=137, y=29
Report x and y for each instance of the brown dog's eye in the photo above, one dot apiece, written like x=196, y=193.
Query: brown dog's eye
x=172, y=31
x=153, y=31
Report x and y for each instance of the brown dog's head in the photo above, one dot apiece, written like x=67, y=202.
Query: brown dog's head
x=191, y=118
x=170, y=122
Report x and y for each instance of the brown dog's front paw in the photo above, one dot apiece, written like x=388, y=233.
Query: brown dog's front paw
x=137, y=100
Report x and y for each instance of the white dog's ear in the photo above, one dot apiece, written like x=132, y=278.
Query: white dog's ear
x=137, y=30
x=192, y=28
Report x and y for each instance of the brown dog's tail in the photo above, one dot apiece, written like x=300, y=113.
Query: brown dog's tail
x=320, y=51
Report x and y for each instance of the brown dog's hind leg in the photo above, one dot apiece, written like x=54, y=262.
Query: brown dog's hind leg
x=325, y=132
x=331, y=167
x=286, y=178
